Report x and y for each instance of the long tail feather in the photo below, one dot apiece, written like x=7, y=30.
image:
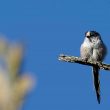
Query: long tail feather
x=96, y=82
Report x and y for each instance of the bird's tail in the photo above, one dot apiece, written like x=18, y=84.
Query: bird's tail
x=96, y=82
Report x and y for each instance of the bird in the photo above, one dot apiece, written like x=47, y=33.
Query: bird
x=94, y=49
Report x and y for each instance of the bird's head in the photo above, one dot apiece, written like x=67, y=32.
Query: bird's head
x=92, y=36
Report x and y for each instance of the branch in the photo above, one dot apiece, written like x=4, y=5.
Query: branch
x=79, y=60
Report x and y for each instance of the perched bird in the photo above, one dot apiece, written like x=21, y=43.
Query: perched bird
x=94, y=49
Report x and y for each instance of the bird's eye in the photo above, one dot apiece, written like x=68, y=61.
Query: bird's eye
x=91, y=35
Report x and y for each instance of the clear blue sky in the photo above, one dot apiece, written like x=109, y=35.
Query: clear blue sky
x=52, y=27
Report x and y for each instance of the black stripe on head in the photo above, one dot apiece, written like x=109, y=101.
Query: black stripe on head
x=94, y=33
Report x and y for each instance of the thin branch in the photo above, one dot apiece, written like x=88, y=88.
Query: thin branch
x=73, y=59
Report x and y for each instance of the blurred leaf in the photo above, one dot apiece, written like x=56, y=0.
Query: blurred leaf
x=14, y=58
x=13, y=86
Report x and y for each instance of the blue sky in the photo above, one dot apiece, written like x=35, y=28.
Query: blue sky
x=52, y=27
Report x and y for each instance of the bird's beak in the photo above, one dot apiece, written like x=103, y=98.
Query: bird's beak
x=88, y=34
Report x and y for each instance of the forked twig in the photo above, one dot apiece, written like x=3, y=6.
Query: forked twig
x=73, y=59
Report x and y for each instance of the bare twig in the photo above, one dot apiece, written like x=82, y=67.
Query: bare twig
x=79, y=60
